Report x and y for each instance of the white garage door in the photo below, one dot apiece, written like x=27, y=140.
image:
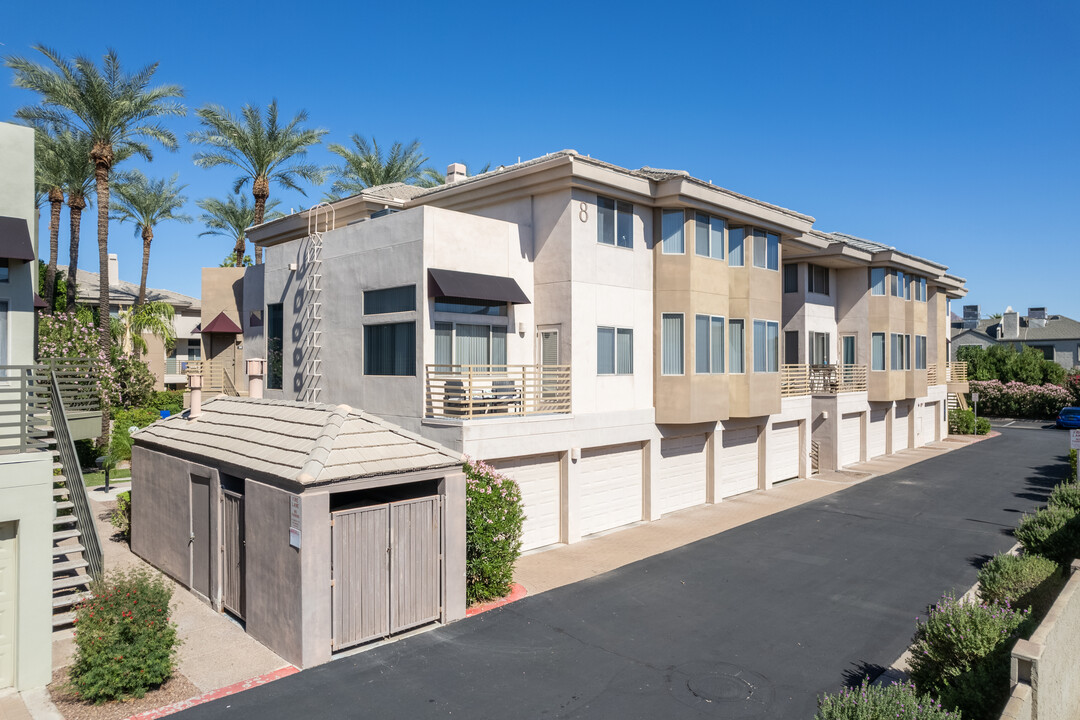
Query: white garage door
x=900, y=427
x=876, y=434
x=739, y=462
x=610, y=479
x=928, y=412
x=850, y=438
x=538, y=478
x=682, y=473
x=782, y=451
x=7, y=604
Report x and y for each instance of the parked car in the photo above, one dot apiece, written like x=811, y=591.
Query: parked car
x=1069, y=417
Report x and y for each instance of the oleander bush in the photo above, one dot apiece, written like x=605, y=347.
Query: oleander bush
x=121, y=515
x=1021, y=581
x=493, y=522
x=125, y=643
x=1053, y=532
x=873, y=702
x=961, y=422
x=1017, y=399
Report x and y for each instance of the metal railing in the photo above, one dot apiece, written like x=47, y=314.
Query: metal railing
x=931, y=374
x=75, y=381
x=801, y=379
x=24, y=408
x=956, y=372
x=227, y=384
x=470, y=391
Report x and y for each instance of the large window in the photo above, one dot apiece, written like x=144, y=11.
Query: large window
x=920, y=352
x=275, y=326
x=877, y=282
x=877, y=351
x=708, y=344
x=791, y=347
x=736, y=247
x=920, y=288
x=390, y=349
x=671, y=344
x=900, y=351
x=819, y=348
x=614, y=351
x=390, y=300
x=791, y=278
x=709, y=236
x=467, y=344
x=766, y=250
x=671, y=227
x=901, y=287
x=614, y=222
x=766, y=346
x=468, y=306
x=817, y=279
x=736, y=346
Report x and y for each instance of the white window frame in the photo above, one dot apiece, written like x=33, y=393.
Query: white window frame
x=711, y=239
x=615, y=219
x=810, y=285
x=731, y=356
x=663, y=343
x=815, y=335
x=884, y=282
x=742, y=245
x=710, y=360
x=920, y=352
x=615, y=349
x=664, y=212
x=766, y=323
x=884, y=352
x=491, y=344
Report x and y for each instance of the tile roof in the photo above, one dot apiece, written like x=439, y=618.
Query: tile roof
x=308, y=443
x=126, y=293
x=1058, y=327
x=861, y=243
x=221, y=324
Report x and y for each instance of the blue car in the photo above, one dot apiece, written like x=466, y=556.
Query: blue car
x=1069, y=417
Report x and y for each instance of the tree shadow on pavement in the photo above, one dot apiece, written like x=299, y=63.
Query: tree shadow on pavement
x=854, y=675
x=977, y=561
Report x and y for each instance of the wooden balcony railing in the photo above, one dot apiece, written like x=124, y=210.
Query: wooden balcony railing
x=931, y=374
x=216, y=377
x=471, y=391
x=797, y=380
x=957, y=372
x=794, y=380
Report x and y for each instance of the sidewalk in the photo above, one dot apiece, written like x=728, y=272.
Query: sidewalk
x=565, y=564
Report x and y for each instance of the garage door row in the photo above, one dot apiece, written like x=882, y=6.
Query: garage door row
x=610, y=486
x=926, y=427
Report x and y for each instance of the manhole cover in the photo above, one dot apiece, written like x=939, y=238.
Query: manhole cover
x=733, y=691
x=720, y=688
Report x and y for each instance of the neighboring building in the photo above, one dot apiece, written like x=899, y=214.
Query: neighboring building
x=168, y=366
x=1056, y=336
x=221, y=332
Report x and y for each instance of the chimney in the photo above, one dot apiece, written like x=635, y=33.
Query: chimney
x=195, y=386
x=971, y=316
x=1010, y=324
x=256, y=369
x=455, y=172
x=114, y=270
x=1036, y=317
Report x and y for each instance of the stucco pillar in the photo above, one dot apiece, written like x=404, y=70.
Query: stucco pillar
x=650, y=466
x=571, y=493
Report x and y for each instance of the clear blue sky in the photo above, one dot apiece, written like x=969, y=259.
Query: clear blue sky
x=948, y=130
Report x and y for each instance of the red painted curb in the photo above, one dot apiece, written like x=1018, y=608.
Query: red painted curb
x=516, y=593
x=216, y=694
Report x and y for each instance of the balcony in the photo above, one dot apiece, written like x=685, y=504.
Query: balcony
x=466, y=392
x=799, y=380
x=26, y=420
x=217, y=380
x=956, y=372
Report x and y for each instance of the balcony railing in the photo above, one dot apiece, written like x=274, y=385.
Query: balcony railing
x=25, y=399
x=216, y=377
x=472, y=391
x=956, y=372
x=797, y=380
x=931, y=374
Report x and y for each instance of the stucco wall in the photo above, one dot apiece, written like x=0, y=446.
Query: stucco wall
x=17, y=200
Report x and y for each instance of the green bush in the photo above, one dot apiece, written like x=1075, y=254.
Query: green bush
x=171, y=400
x=1053, y=532
x=961, y=422
x=960, y=654
x=123, y=420
x=982, y=426
x=88, y=452
x=1072, y=464
x=493, y=520
x=121, y=515
x=1067, y=496
x=875, y=702
x=1022, y=581
x=125, y=643
x=134, y=382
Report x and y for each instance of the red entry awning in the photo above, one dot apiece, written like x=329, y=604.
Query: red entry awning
x=222, y=324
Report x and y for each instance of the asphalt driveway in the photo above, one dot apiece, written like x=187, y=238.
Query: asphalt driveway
x=754, y=622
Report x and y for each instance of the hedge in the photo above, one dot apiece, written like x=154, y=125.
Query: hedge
x=1017, y=399
x=871, y=702
x=1022, y=581
x=493, y=522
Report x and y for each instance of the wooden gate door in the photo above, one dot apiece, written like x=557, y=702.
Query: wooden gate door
x=232, y=552
x=414, y=563
x=360, y=557
x=200, y=535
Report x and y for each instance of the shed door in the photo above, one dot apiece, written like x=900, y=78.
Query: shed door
x=360, y=556
x=900, y=427
x=8, y=593
x=415, y=549
x=782, y=446
x=538, y=478
x=876, y=433
x=232, y=552
x=200, y=535
x=610, y=479
x=683, y=473
x=739, y=462
x=850, y=438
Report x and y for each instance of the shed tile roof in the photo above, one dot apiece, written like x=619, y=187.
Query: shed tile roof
x=308, y=443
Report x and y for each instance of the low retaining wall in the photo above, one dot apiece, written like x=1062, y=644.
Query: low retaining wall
x=1046, y=685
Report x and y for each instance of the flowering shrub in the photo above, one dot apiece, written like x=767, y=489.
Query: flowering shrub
x=125, y=643
x=493, y=520
x=874, y=702
x=1018, y=581
x=960, y=654
x=1072, y=384
x=133, y=382
x=74, y=335
x=1017, y=399
x=1053, y=532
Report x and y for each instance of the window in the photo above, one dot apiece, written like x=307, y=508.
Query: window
x=468, y=306
x=390, y=300
x=468, y=344
x=671, y=342
x=709, y=236
x=877, y=351
x=766, y=250
x=791, y=278
x=736, y=346
x=920, y=289
x=390, y=349
x=877, y=282
x=791, y=347
x=671, y=227
x=848, y=349
x=819, y=348
x=900, y=351
x=766, y=346
x=920, y=352
x=736, y=235
x=901, y=288
x=614, y=222
x=614, y=351
x=194, y=349
x=709, y=344
x=275, y=327
x=5, y=270
x=817, y=279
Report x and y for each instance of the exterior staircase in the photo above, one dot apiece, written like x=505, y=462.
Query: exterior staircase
x=957, y=401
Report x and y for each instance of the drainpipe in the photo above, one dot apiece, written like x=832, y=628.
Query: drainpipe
x=256, y=370
x=195, y=385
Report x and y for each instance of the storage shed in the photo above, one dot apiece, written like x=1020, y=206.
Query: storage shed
x=317, y=526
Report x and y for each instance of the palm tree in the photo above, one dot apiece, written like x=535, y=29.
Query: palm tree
x=231, y=218
x=366, y=166
x=146, y=203
x=130, y=324
x=118, y=112
x=49, y=178
x=433, y=178
x=263, y=150
x=78, y=184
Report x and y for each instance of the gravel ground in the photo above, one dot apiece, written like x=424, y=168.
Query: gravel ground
x=175, y=689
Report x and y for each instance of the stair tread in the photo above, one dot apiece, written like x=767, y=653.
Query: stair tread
x=62, y=619
x=64, y=504
x=67, y=550
x=58, y=492
x=70, y=582
x=69, y=600
x=65, y=534
x=66, y=520
x=69, y=565
x=60, y=478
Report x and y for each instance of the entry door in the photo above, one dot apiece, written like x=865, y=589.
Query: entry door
x=9, y=581
x=200, y=535
x=548, y=348
x=232, y=552
x=414, y=563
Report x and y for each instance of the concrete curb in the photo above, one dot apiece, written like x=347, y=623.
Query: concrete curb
x=216, y=694
x=516, y=593
x=40, y=705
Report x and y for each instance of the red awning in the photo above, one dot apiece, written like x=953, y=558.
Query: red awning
x=39, y=303
x=222, y=324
